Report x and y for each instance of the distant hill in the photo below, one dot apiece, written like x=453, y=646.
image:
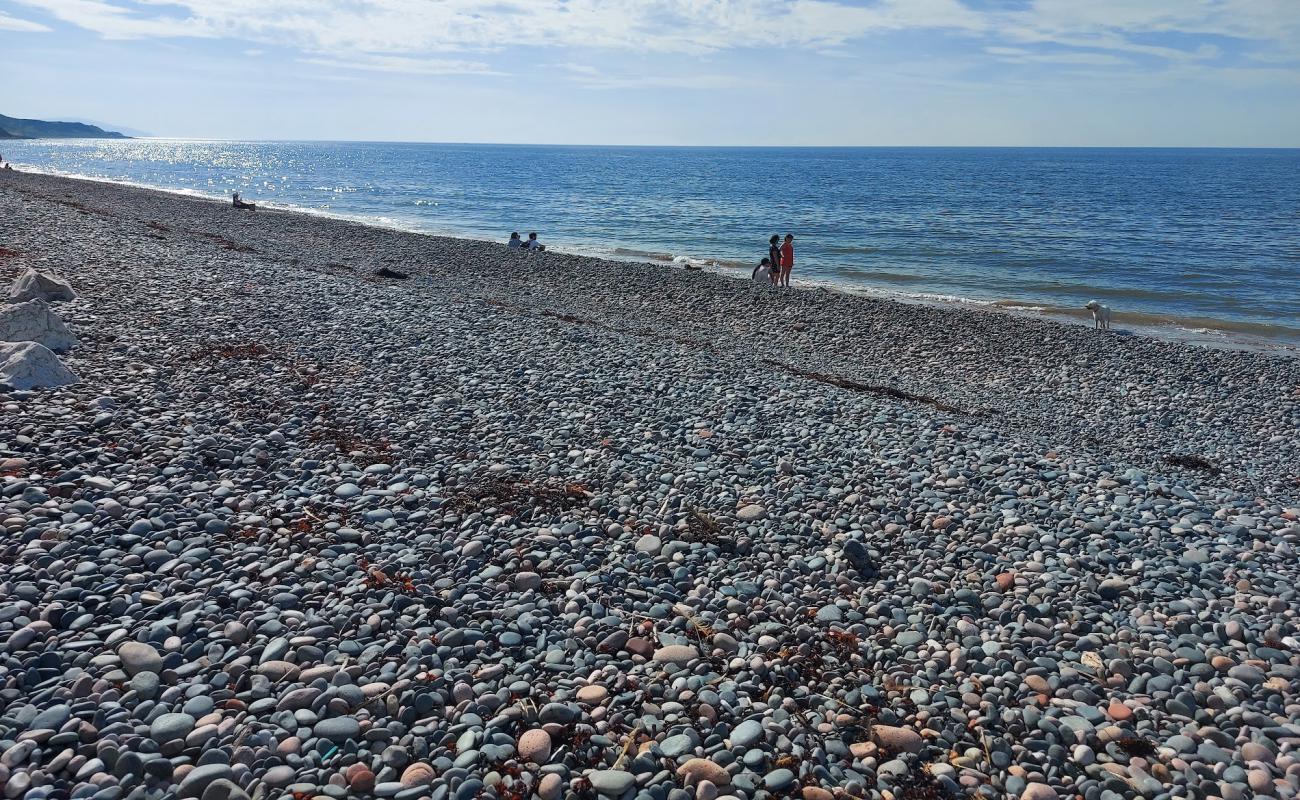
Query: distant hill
x=40, y=129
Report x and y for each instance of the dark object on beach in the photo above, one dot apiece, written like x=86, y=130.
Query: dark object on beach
x=385, y=272
x=1191, y=462
x=919, y=783
x=883, y=391
x=1135, y=746
x=692, y=268
x=247, y=206
x=567, y=318
x=239, y=351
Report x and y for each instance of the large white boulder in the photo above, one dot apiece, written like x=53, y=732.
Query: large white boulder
x=28, y=365
x=33, y=321
x=33, y=285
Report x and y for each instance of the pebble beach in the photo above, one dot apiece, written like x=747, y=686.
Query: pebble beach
x=341, y=511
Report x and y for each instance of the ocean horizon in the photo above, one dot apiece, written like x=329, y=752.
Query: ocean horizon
x=1201, y=242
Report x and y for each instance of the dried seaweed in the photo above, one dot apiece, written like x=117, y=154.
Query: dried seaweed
x=514, y=495
x=919, y=783
x=229, y=244
x=1191, y=461
x=348, y=442
x=1136, y=746
x=569, y=318
x=866, y=388
x=239, y=351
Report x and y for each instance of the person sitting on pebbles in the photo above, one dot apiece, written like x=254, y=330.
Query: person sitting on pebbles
x=534, y=246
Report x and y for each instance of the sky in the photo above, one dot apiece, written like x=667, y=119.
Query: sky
x=666, y=72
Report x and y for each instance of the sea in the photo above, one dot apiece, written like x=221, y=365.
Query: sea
x=1201, y=244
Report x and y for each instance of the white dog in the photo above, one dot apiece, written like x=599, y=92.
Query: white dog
x=1100, y=315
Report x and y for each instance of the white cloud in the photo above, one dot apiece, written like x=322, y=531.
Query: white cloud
x=360, y=33
x=405, y=64
x=118, y=22
x=11, y=23
x=1019, y=55
x=592, y=78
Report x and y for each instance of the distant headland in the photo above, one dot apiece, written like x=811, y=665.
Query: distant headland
x=14, y=128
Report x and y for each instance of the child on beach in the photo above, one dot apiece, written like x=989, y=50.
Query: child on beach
x=515, y=241
x=774, y=257
x=534, y=245
x=787, y=260
x=763, y=272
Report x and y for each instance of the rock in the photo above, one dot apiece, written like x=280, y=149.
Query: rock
x=675, y=746
x=139, y=657
x=702, y=769
x=337, y=729
x=33, y=321
x=1260, y=782
x=34, y=285
x=679, y=654
x=1112, y=588
x=726, y=642
x=417, y=774
x=51, y=718
x=200, y=778
x=829, y=613
x=897, y=740
x=610, y=782
x=746, y=733
x=535, y=746
x=856, y=554
x=224, y=789
x=171, y=727
x=360, y=779
x=751, y=513
x=528, y=581
x=649, y=544
x=28, y=365
x=1248, y=674
x=778, y=780
x=1038, y=791
x=550, y=787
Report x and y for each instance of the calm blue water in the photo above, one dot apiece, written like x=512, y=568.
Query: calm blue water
x=1200, y=238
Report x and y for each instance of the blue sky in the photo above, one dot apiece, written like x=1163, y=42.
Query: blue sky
x=750, y=72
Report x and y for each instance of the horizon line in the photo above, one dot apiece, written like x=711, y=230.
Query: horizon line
x=686, y=146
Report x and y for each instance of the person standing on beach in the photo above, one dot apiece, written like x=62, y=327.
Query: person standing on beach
x=774, y=255
x=787, y=259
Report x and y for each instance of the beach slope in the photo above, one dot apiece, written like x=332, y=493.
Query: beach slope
x=546, y=524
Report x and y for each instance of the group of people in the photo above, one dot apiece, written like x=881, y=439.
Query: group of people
x=532, y=245
x=776, y=267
